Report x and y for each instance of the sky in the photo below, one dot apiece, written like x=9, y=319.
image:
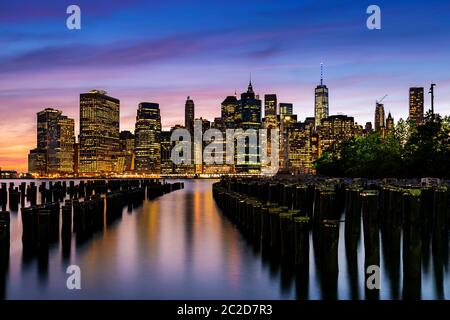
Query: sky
x=164, y=51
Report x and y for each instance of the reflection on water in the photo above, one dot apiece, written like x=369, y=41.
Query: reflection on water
x=180, y=246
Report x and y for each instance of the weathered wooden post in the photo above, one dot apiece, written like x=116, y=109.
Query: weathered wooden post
x=301, y=241
x=371, y=236
x=412, y=245
x=287, y=235
x=4, y=236
x=43, y=230
x=352, y=219
x=330, y=264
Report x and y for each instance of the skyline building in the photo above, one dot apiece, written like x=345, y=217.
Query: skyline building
x=321, y=103
x=389, y=123
x=270, y=105
x=55, y=144
x=189, y=115
x=300, y=145
x=126, y=151
x=249, y=117
x=286, y=109
x=379, y=117
x=228, y=111
x=99, y=132
x=416, y=105
x=286, y=122
x=147, y=138
x=166, y=151
x=333, y=130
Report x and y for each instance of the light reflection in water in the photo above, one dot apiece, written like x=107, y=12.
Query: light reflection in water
x=180, y=246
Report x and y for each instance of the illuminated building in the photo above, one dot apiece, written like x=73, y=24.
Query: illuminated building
x=8, y=174
x=147, y=139
x=126, y=151
x=379, y=117
x=286, y=121
x=198, y=148
x=334, y=130
x=166, y=152
x=249, y=117
x=55, y=140
x=219, y=146
x=182, y=168
x=65, y=146
x=228, y=111
x=270, y=105
x=37, y=162
x=286, y=109
x=99, y=133
x=301, y=148
x=321, y=104
x=416, y=105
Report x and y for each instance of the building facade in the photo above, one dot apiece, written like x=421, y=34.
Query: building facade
x=321, y=103
x=334, y=130
x=147, y=139
x=416, y=105
x=55, y=144
x=189, y=115
x=286, y=109
x=379, y=117
x=248, y=117
x=270, y=105
x=99, y=133
x=228, y=111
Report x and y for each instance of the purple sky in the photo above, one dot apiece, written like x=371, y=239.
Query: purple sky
x=164, y=51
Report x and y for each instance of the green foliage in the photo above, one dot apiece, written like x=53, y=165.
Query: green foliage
x=407, y=151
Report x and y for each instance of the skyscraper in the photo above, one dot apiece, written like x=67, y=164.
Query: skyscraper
x=228, y=111
x=65, y=145
x=416, y=105
x=147, y=138
x=166, y=149
x=286, y=109
x=126, y=151
x=270, y=105
x=249, y=117
x=249, y=110
x=320, y=101
x=99, y=132
x=189, y=113
x=335, y=129
x=389, y=123
x=379, y=117
x=55, y=144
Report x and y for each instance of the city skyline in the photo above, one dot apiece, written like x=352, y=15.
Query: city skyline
x=189, y=114
x=43, y=64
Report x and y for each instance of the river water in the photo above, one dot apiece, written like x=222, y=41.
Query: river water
x=180, y=246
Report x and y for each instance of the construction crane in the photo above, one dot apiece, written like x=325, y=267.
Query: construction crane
x=379, y=101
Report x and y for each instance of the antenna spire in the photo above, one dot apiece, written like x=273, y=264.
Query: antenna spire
x=321, y=73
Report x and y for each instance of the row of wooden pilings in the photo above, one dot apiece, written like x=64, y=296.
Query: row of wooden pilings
x=282, y=216
x=57, y=191
x=48, y=222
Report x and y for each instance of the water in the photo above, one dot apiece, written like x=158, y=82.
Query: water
x=180, y=246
